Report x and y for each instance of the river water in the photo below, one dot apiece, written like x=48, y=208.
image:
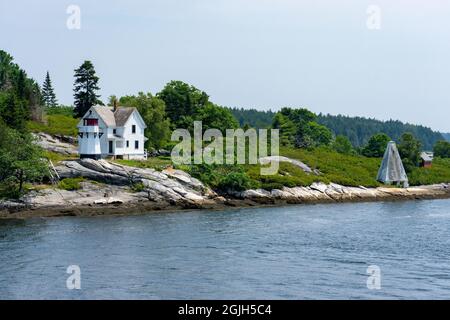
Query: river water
x=294, y=252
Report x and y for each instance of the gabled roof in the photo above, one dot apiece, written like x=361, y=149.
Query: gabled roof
x=425, y=156
x=113, y=118
x=122, y=114
x=392, y=169
x=106, y=114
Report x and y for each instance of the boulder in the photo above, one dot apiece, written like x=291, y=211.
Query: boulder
x=174, y=186
x=297, y=163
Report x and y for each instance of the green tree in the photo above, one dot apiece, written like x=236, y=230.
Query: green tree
x=48, y=94
x=85, y=88
x=315, y=135
x=442, y=149
x=409, y=149
x=112, y=99
x=343, y=145
x=20, y=161
x=182, y=101
x=299, y=128
x=152, y=110
x=376, y=146
x=13, y=110
x=215, y=117
x=287, y=129
x=20, y=96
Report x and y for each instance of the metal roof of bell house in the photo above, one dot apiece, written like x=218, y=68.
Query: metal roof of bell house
x=391, y=169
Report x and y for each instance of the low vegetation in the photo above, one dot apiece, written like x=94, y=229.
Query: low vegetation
x=224, y=178
x=438, y=173
x=55, y=124
x=70, y=184
x=345, y=169
x=137, y=187
x=348, y=170
x=157, y=163
x=56, y=158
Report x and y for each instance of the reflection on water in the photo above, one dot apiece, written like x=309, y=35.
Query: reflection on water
x=295, y=252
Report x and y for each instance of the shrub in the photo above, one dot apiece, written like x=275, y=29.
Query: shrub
x=343, y=145
x=138, y=187
x=223, y=177
x=234, y=181
x=8, y=189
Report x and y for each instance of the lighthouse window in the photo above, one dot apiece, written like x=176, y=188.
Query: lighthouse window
x=128, y=143
x=90, y=122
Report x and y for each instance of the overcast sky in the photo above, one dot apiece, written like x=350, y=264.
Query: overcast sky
x=248, y=53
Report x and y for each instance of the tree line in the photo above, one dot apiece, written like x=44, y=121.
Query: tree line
x=359, y=130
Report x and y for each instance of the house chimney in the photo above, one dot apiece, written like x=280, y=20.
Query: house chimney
x=115, y=105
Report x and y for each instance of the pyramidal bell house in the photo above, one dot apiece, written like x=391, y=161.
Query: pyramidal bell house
x=111, y=132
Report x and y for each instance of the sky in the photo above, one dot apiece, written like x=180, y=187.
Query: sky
x=330, y=56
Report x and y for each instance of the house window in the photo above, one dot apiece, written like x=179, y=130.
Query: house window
x=128, y=143
x=136, y=144
x=133, y=128
x=114, y=131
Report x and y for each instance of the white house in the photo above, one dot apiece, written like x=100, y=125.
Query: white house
x=116, y=132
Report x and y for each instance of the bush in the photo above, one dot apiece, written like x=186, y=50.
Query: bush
x=138, y=187
x=70, y=184
x=234, y=181
x=223, y=177
x=343, y=145
x=8, y=189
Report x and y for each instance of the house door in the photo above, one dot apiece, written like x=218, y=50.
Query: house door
x=110, y=147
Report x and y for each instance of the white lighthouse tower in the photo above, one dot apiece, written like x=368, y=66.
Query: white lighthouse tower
x=89, y=136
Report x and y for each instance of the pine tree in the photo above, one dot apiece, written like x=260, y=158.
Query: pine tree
x=48, y=95
x=85, y=87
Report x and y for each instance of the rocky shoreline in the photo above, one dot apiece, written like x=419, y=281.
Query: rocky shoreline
x=107, y=192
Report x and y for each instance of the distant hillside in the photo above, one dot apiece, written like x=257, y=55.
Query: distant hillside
x=446, y=136
x=359, y=129
x=254, y=118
